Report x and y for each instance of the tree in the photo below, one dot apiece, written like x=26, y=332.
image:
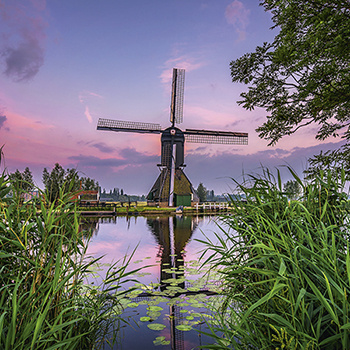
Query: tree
x=292, y=189
x=23, y=181
x=66, y=180
x=303, y=76
x=53, y=181
x=88, y=184
x=201, y=193
x=28, y=180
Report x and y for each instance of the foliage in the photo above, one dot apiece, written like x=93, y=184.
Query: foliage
x=201, y=193
x=303, y=76
x=333, y=161
x=23, y=181
x=43, y=301
x=120, y=196
x=67, y=180
x=292, y=189
x=285, y=267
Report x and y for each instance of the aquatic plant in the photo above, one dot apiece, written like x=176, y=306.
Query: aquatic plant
x=285, y=267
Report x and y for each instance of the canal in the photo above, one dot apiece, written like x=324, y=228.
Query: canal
x=172, y=299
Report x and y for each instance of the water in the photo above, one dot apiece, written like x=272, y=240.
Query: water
x=170, y=245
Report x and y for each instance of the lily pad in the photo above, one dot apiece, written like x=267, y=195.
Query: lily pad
x=183, y=327
x=145, y=319
x=132, y=305
x=156, y=326
x=161, y=341
x=154, y=308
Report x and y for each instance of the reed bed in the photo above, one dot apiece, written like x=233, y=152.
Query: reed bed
x=285, y=267
x=44, y=303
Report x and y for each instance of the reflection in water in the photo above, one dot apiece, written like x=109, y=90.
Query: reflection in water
x=172, y=235
x=166, y=238
x=90, y=225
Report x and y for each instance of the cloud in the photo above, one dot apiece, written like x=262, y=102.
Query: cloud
x=22, y=36
x=92, y=161
x=237, y=15
x=101, y=146
x=136, y=157
x=83, y=99
x=3, y=119
x=128, y=157
x=86, y=95
x=183, y=62
x=87, y=114
x=218, y=169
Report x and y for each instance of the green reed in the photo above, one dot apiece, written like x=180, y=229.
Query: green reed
x=285, y=267
x=44, y=303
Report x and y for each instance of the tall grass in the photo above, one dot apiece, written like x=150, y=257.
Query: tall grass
x=285, y=267
x=43, y=302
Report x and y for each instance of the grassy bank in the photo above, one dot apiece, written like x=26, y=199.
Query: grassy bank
x=286, y=268
x=114, y=209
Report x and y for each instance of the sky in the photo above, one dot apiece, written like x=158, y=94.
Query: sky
x=64, y=64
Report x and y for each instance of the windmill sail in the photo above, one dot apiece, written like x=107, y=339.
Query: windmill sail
x=172, y=187
x=177, y=96
x=127, y=126
x=216, y=137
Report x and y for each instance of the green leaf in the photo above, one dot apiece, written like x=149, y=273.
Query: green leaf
x=183, y=327
x=156, y=326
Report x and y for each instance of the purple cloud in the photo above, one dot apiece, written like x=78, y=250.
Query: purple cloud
x=23, y=36
x=91, y=161
x=101, y=146
x=130, y=157
x=135, y=157
x=3, y=119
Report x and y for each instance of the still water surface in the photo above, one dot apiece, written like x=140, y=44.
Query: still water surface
x=163, y=242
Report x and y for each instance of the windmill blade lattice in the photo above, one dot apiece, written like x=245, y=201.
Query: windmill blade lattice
x=216, y=137
x=127, y=126
x=177, y=96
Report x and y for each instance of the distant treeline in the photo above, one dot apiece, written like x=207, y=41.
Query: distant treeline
x=117, y=195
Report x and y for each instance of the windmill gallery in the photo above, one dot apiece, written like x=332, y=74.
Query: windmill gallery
x=172, y=187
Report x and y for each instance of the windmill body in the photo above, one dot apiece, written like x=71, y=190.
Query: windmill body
x=172, y=186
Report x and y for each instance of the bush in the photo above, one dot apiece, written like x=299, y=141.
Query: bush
x=285, y=267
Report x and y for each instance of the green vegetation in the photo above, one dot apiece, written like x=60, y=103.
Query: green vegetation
x=23, y=181
x=285, y=267
x=67, y=180
x=119, y=196
x=302, y=77
x=292, y=189
x=201, y=193
x=44, y=303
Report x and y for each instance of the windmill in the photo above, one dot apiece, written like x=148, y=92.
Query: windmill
x=172, y=186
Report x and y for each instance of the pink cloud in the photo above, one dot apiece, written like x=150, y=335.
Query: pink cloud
x=238, y=15
x=87, y=114
x=17, y=121
x=86, y=95
x=183, y=62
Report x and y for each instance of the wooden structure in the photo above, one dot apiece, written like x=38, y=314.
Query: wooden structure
x=172, y=187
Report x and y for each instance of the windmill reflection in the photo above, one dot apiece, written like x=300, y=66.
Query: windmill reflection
x=172, y=234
